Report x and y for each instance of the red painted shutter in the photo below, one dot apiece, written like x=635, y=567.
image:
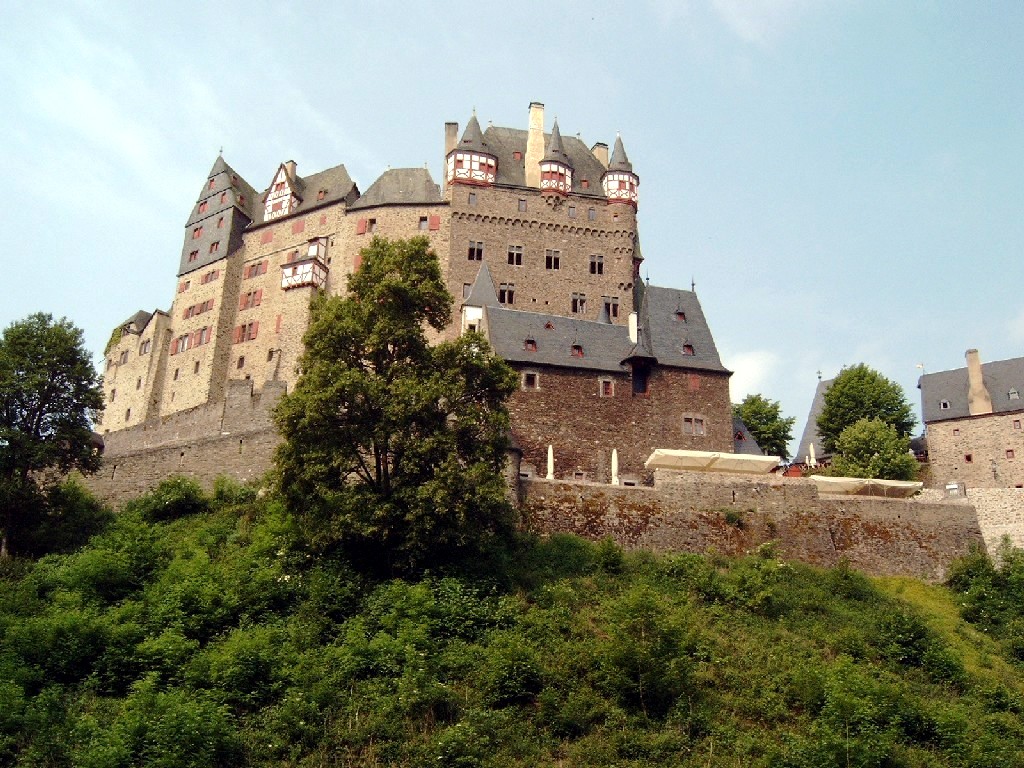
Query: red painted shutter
x=241, y=301
x=435, y=222
x=257, y=298
x=238, y=334
x=298, y=226
x=174, y=346
x=267, y=236
x=361, y=227
x=255, y=329
x=357, y=262
x=184, y=314
x=263, y=269
x=277, y=327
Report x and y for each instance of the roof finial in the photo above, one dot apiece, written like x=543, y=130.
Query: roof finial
x=220, y=152
x=819, y=374
x=693, y=285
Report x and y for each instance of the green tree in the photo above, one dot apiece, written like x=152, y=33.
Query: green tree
x=860, y=392
x=394, y=448
x=872, y=448
x=49, y=391
x=763, y=417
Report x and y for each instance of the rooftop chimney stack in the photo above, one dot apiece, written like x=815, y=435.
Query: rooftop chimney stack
x=978, y=399
x=451, y=140
x=600, y=151
x=289, y=168
x=535, y=144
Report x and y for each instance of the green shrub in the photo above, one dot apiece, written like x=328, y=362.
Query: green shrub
x=511, y=673
x=174, y=498
x=228, y=492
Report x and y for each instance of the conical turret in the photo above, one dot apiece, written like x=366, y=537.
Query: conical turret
x=555, y=168
x=472, y=162
x=619, y=181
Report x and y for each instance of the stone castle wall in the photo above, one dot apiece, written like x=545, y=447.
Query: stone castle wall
x=984, y=451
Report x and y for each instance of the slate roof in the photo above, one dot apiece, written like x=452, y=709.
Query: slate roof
x=604, y=346
x=742, y=440
x=502, y=142
x=555, y=151
x=482, y=293
x=400, y=185
x=669, y=333
x=810, y=434
x=472, y=140
x=1000, y=378
x=619, y=161
x=137, y=323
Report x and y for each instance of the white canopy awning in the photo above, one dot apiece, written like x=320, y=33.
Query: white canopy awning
x=857, y=485
x=709, y=461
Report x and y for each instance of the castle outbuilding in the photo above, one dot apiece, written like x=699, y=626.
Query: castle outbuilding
x=537, y=238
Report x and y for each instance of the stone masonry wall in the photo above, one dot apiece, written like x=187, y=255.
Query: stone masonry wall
x=634, y=425
x=733, y=514
x=994, y=443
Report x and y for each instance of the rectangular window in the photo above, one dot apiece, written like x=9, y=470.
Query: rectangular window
x=1009, y=453
x=579, y=303
x=183, y=286
x=146, y=346
x=466, y=288
x=214, y=247
x=476, y=250
x=193, y=255
x=506, y=293
x=552, y=259
x=471, y=199
x=531, y=380
x=597, y=264
x=224, y=197
x=371, y=226
x=423, y=223
x=1016, y=423
x=522, y=203
x=203, y=206
x=515, y=255
x=246, y=332
x=641, y=379
x=197, y=233
x=213, y=182
x=255, y=270
x=124, y=357
x=220, y=223
x=693, y=425
x=138, y=383
x=250, y=299
x=606, y=387
x=591, y=214
x=572, y=211
x=611, y=304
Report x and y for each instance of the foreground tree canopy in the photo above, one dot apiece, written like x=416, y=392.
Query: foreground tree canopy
x=860, y=392
x=763, y=418
x=872, y=448
x=49, y=391
x=394, y=448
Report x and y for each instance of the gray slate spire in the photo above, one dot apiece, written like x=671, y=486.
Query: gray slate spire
x=473, y=138
x=556, y=152
x=619, y=161
x=482, y=293
x=643, y=349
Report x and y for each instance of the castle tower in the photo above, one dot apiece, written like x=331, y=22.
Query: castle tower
x=555, y=169
x=619, y=181
x=471, y=162
x=214, y=229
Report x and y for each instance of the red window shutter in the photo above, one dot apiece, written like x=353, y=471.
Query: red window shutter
x=357, y=262
x=257, y=298
x=193, y=339
x=184, y=313
x=361, y=227
x=277, y=327
x=241, y=301
x=245, y=273
x=263, y=269
x=323, y=219
x=298, y=226
x=435, y=222
x=174, y=346
x=238, y=334
x=267, y=236
x=255, y=329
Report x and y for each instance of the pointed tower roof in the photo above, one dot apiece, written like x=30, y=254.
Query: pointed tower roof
x=556, y=152
x=619, y=160
x=482, y=293
x=219, y=166
x=473, y=138
x=643, y=349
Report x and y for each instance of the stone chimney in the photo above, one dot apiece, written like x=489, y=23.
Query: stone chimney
x=451, y=137
x=633, y=331
x=289, y=167
x=600, y=151
x=978, y=399
x=535, y=144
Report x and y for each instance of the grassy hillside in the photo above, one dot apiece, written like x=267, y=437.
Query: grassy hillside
x=193, y=631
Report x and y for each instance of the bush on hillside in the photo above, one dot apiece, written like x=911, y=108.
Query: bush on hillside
x=174, y=498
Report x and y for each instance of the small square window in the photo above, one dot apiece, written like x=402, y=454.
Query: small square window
x=956, y=432
x=531, y=380
x=471, y=199
x=1009, y=453
x=423, y=223
x=606, y=387
x=517, y=155
x=522, y=203
x=1016, y=423
x=530, y=345
x=944, y=405
x=968, y=458
x=688, y=350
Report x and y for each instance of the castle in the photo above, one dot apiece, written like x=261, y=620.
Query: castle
x=537, y=238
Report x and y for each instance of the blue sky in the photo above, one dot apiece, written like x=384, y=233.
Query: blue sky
x=842, y=180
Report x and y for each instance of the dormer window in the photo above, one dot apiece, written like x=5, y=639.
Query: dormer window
x=944, y=405
x=577, y=350
x=688, y=349
x=1013, y=394
x=530, y=345
x=680, y=316
x=549, y=326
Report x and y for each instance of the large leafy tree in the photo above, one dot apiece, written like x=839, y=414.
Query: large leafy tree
x=394, y=448
x=860, y=392
x=872, y=448
x=763, y=417
x=49, y=391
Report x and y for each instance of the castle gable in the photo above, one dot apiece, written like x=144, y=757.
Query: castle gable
x=677, y=330
x=324, y=188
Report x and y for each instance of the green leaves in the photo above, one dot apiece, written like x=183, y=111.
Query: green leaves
x=394, y=447
x=860, y=392
x=871, y=448
x=763, y=417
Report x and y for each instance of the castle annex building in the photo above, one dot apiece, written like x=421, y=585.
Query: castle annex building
x=974, y=417
x=537, y=238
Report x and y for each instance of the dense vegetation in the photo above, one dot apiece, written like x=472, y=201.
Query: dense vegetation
x=196, y=630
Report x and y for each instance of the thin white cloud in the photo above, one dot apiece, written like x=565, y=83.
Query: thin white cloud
x=751, y=371
x=760, y=22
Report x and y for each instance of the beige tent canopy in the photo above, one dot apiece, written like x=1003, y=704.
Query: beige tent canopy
x=857, y=485
x=708, y=461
